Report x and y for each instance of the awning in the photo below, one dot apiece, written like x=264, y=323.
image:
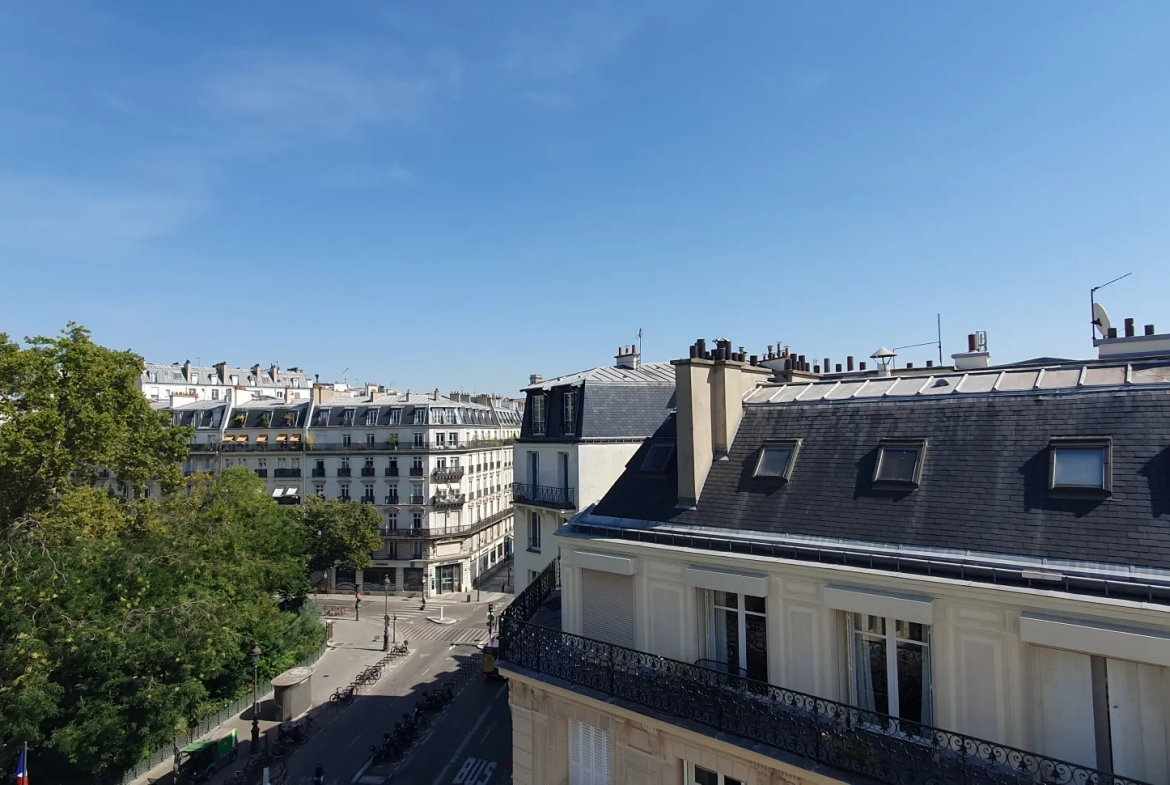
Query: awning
x=292, y=491
x=242, y=438
x=281, y=438
x=296, y=437
x=262, y=439
x=277, y=492
x=228, y=437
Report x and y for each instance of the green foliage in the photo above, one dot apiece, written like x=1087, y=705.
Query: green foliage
x=341, y=532
x=124, y=621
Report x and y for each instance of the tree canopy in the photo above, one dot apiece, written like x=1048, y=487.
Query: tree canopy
x=124, y=621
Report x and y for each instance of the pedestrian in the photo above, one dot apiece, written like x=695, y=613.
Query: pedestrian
x=503, y=581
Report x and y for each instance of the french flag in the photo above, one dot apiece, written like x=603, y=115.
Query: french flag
x=22, y=768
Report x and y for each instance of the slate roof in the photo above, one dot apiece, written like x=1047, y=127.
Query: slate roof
x=646, y=373
x=611, y=403
x=209, y=375
x=983, y=486
x=395, y=410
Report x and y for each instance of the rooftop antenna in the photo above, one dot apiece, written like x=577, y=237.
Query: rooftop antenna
x=1100, y=318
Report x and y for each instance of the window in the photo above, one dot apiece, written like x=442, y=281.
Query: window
x=416, y=550
x=346, y=440
x=371, y=416
x=419, y=416
x=215, y=395
x=369, y=440
x=534, y=532
x=899, y=463
x=319, y=489
x=262, y=463
x=776, y=460
x=1080, y=465
x=416, y=464
x=588, y=754
x=418, y=440
x=453, y=438
x=345, y=492
x=416, y=492
x=440, y=439
x=538, y=415
x=451, y=416
x=570, y=412
x=889, y=666
x=416, y=520
x=657, y=457
x=323, y=417
x=707, y=777
x=281, y=463
x=345, y=463
x=735, y=635
x=347, y=417
x=534, y=468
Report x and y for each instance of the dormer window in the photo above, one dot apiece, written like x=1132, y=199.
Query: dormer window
x=570, y=412
x=1080, y=465
x=323, y=417
x=347, y=416
x=776, y=460
x=899, y=463
x=538, y=415
x=657, y=457
x=371, y=416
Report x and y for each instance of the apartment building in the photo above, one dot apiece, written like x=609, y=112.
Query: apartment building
x=212, y=383
x=922, y=576
x=579, y=431
x=438, y=470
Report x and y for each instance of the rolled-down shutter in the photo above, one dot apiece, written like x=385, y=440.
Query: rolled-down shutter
x=588, y=754
x=607, y=602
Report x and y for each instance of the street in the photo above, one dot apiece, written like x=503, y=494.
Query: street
x=475, y=726
x=470, y=744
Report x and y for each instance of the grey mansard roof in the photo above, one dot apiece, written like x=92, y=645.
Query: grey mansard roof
x=984, y=483
x=612, y=403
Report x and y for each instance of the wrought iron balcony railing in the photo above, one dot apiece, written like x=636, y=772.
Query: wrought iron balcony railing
x=369, y=471
x=544, y=496
x=391, y=471
x=343, y=472
x=844, y=737
x=318, y=472
x=286, y=472
x=448, y=502
x=416, y=471
x=448, y=474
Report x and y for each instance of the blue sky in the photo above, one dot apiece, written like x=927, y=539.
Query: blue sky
x=461, y=194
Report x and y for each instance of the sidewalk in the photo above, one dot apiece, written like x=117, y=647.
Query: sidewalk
x=495, y=586
x=354, y=647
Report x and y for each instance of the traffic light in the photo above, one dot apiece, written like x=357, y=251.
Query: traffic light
x=491, y=605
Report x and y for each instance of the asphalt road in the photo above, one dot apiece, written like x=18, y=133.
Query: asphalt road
x=469, y=744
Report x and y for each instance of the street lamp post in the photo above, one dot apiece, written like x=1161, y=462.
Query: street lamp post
x=386, y=615
x=395, y=628
x=357, y=604
x=255, y=698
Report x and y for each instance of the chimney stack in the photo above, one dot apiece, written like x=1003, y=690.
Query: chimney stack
x=627, y=357
x=187, y=370
x=972, y=359
x=435, y=394
x=849, y=363
x=709, y=395
x=1129, y=328
x=221, y=372
x=1149, y=329
x=535, y=378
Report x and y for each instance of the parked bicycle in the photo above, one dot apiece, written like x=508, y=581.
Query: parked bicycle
x=342, y=695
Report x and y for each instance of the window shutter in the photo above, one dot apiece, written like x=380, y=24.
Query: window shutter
x=588, y=754
x=607, y=602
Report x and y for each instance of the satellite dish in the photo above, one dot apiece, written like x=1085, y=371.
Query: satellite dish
x=1101, y=319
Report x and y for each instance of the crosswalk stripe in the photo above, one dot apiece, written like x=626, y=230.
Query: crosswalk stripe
x=433, y=632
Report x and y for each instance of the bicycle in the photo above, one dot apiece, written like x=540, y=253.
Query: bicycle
x=342, y=695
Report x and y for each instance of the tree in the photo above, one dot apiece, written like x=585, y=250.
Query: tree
x=125, y=621
x=341, y=532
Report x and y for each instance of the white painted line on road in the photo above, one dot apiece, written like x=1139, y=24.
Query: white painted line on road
x=362, y=770
x=487, y=731
x=463, y=744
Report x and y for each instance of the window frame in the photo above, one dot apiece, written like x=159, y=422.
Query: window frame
x=899, y=444
x=786, y=475
x=540, y=405
x=570, y=413
x=1102, y=443
x=670, y=448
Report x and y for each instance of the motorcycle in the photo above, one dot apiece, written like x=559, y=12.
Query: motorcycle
x=293, y=734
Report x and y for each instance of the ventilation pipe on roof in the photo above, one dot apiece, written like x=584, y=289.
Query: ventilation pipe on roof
x=976, y=356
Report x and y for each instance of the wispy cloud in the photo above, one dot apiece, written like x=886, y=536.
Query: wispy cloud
x=567, y=45
x=365, y=177
x=551, y=99
x=73, y=216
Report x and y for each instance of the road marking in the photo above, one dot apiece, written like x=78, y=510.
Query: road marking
x=475, y=771
x=467, y=738
x=487, y=731
x=362, y=770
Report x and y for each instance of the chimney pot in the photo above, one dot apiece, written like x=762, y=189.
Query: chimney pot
x=1112, y=332
x=861, y=366
x=826, y=365
x=694, y=351
x=838, y=367
x=754, y=359
x=1129, y=328
x=1149, y=329
x=849, y=363
x=816, y=369
x=909, y=365
x=972, y=342
x=930, y=363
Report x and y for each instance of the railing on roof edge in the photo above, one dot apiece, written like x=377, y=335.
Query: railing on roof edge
x=887, y=749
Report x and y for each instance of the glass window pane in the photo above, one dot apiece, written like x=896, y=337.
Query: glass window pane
x=914, y=682
x=1080, y=468
x=873, y=624
x=870, y=687
x=753, y=604
x=908, y=630
x=726, y=599
x=756, y=631
x=774, y=461
x=730, y=653
x=896, y=464
x=705, y=776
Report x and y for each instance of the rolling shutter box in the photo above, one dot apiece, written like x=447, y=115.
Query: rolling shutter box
x=607, y=605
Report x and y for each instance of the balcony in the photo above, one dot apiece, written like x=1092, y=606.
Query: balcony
x=862, y=744
x=367, y=499
x=318, y=472
x=286, y=472
x=343, y=472
x=544, y=496
x=392, y=499
x=390, y=471
x=448, y=502
x=369, y=471
x=417, y=500
x=389, y=446
x=448, y=474
x=262, y=473
x=416, y=471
